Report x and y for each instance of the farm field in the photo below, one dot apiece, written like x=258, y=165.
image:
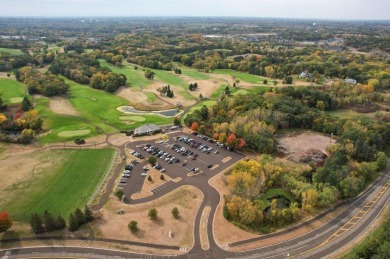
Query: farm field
x=12, y=91
x=69, y=178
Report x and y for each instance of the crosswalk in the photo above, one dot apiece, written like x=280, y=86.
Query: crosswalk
x=162, y=187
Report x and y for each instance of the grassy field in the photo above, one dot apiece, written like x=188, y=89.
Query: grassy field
x=60, y=188
x=12, y=91
x=151, y=97
x=135, y=78
x=11, y=51
x=242, y=76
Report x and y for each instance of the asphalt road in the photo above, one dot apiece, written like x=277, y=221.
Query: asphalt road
x=357, y=215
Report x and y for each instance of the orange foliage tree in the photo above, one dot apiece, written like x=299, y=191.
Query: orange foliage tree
x=5, y=222
x=194, y=126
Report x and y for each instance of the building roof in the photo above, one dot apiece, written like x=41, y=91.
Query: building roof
x=146, y=129
x=351, y=81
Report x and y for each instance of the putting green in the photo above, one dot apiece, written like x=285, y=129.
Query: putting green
x=74, y=133
x=16, y=100
x=133, y=118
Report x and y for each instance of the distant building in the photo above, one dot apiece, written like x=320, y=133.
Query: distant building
x=351, y=81
x=147, y=129
x=305, y=75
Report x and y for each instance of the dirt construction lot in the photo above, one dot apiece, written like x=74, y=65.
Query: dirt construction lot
x=299, y=143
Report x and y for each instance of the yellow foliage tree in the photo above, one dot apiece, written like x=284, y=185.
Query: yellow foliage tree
x=3, y=118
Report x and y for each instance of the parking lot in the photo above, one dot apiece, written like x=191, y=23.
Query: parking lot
x=192, y=157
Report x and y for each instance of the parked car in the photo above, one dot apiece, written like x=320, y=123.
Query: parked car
x=144, y=174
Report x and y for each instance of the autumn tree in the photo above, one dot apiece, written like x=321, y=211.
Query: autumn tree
x=194, y=126
x=222, y=137
x=231, y=140
x=5, y=222
x=215, y=136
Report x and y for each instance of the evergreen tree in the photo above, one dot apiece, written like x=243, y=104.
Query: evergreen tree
x=88, y=214
x=26, y=104
x=60, y=222
x=36, y=223
x=50, y=223
x=73, y=225
x=79, y=216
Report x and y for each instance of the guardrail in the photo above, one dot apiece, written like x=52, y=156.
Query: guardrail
x=114, y=157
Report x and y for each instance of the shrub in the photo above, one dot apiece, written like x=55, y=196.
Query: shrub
x=133, y=226
x=79, y=141
x=175, y=212
x=153, y=214
x=119, y=193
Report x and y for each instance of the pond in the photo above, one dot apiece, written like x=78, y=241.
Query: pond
x=164, y=113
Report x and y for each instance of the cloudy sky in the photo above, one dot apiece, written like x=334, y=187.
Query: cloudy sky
x=322, y=9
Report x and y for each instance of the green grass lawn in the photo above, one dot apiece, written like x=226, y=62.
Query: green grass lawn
x=65, y=186
x=242, y=76
x=11, y=51
x=135, y=78
x=194, y=74
x=12, y=91
x=151, y=97
x=55, y=123
x=97, y=106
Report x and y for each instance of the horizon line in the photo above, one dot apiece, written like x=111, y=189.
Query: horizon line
x=177, y=16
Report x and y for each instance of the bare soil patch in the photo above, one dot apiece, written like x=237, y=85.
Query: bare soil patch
x=178, y=94
x=186, y=198
x=298, y=144
x=61, y=105
x=148, y=186
x=204, y=238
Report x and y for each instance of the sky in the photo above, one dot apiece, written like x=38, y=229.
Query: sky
x=319, y=9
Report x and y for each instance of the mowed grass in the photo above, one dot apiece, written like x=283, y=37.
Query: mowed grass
x=12, y=91
x=196, y=75
x=97, y=107
x=11, y=51
x=135, y=78
x=54, y=124
x=63, y=187
x=242, y=76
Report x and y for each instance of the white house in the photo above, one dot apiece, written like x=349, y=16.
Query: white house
x=350, y=81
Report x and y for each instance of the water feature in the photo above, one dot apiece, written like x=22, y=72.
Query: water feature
x=165, y=113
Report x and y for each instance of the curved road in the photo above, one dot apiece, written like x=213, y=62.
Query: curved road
x=354, y=219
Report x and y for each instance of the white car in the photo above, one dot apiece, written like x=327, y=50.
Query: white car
x=162, y=170
x=144, y=174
